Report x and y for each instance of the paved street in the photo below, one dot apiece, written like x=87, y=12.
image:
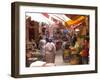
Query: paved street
x=59, y=58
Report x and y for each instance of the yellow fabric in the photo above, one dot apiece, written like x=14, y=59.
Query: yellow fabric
x=73, y=22
x=66, y=53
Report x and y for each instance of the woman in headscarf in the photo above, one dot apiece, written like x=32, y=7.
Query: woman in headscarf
x=42, y=44
x=50, y=51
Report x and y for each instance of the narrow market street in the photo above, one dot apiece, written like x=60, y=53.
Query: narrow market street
x=56, y=39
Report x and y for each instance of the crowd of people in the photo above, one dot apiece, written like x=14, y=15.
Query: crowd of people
x=75, y=48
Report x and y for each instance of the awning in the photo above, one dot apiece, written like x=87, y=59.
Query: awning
x=75, y=23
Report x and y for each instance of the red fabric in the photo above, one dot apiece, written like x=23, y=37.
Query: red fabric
x=84, y=53
x=45, y=14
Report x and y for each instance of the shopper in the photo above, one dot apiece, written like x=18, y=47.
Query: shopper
x=50, y=51
x=34, y=44
x=42, y=44
x=66, y=53
x=85, y=51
